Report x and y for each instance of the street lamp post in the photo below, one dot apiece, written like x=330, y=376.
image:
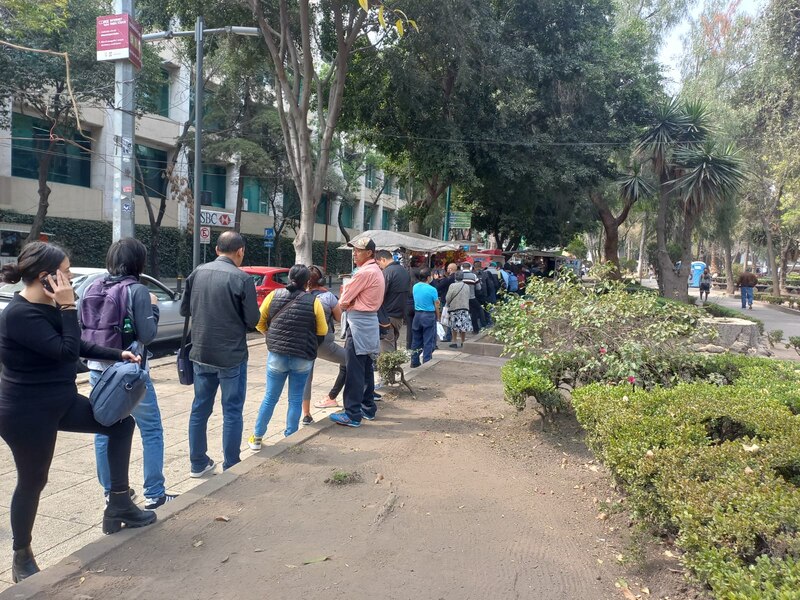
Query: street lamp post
x=199, y=34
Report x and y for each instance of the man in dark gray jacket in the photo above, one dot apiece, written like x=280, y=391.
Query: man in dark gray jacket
x=398, y=283
x=221, y=299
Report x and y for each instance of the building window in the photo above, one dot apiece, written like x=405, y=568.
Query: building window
x=386, y=220
x=291, y=203
x=212, y=185
x=321, y=215
x=255, y=196
x=369, y=212
x=402, y=193
x=156, y=102
x=152, y=163
x=30, y=138
x=346, y=211
x=370, y=178
x=387, y=185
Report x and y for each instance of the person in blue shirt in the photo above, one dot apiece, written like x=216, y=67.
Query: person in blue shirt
x=426, y=315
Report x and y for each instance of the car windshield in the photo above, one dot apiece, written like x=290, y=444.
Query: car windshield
x=257, y=279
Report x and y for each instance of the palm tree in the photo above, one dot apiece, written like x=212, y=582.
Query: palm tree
x=709, y=174
x=677, y=125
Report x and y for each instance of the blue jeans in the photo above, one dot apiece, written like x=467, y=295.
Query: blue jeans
x=423, y=337
x=279, y=367
x=148, y=420
x=747, y=296
x=233, y=382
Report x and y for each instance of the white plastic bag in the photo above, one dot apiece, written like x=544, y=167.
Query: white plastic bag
x=441, y=332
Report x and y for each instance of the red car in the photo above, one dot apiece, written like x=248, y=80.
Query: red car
x=267, y=279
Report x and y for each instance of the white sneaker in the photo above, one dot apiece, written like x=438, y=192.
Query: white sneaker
x=209, y=467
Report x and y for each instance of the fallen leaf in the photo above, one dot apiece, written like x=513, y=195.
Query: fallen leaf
x=316, y=560
x=602, y=517
x=379, y=478
x=258, y=550
x=629, y=595
x=83, y=579
x=226, y=559
x=447, y=435
x=646, y=591
x=223, y=518
x=197, y=543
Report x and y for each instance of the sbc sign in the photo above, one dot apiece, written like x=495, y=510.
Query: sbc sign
x=212, y=218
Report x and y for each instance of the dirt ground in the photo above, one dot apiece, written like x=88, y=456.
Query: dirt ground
x=456, y=496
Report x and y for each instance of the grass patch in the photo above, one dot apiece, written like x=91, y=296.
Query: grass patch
x=344, y=478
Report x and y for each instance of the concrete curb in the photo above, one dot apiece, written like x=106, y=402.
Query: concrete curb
x=73, y=565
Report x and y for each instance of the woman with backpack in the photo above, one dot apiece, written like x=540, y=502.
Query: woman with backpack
x=294, y=324
x=40, y=343
x=116, y=311
x=328, y=350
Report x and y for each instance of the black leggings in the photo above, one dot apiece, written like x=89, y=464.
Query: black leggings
x=339, y=383
x=30, y=420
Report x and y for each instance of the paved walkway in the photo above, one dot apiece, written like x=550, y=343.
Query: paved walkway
x=72, y=504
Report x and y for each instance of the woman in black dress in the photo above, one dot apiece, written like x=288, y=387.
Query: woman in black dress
x=40, y=343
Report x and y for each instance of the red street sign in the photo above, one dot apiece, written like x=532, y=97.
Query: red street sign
x=119, y=37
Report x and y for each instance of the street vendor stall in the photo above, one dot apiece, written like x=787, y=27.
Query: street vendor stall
x=404, y=241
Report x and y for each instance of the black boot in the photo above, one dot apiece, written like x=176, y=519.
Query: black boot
x=24, y=565
x=121, y=510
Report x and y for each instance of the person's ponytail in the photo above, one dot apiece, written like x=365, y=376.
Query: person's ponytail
x=298, y=278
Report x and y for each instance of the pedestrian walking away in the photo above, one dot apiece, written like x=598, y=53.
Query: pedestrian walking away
x=362, y=298
x=458, y=309
x=40, y=343
x=475, y=287
x=221, y=299
x=398, y=284
x=747, y=282
x=328, y=350
x=488, y=297
x=705, y=285
x=294, y=323
x=426, y=315
x=115, y=312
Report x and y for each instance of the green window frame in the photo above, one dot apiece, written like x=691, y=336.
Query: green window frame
x=401, y=192
x=158, y=103
x=347, y=214
x=369, y=214
x=214, y=181
x=256, y=196
x=386, y=219
x=71, y=161
x=370, y=178
x=152, y=163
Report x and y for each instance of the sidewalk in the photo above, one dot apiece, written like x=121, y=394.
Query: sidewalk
x=72, y=504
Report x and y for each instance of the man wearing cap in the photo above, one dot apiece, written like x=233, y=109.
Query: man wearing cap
x=361, y=299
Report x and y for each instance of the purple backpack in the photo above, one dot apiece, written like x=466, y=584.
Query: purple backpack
x=104, y=306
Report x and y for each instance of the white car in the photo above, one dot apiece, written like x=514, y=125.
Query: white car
x=170, y=323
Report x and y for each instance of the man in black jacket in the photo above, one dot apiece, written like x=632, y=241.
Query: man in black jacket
x=221, y=299
x=489, y=294
x=398, y=284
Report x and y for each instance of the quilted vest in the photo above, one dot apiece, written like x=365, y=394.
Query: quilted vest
x=294, y=332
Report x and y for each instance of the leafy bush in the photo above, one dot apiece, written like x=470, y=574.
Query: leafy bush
x=774, y=337
x=565, y=315
x=716, y=465
x=524, y=378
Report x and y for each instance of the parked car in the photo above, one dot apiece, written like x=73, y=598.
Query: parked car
x=267, y=279
x=170, y=323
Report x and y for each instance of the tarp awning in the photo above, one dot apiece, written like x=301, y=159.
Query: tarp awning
x=396, y=240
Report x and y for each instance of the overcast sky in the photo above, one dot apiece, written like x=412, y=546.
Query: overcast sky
x=673, y=44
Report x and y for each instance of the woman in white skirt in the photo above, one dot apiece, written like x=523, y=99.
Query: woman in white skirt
x=457, y=300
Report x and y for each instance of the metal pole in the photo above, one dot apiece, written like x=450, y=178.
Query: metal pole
x=198, y=127
x=124, y=123
x=447, y=216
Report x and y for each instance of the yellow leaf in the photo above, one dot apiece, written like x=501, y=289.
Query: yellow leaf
x=413, y=23
x=380, y=18
x=364, y=4
x=399, y=26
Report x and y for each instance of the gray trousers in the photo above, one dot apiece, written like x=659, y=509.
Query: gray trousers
x=328, y=350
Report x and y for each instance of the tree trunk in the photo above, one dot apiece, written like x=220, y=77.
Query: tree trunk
x=642, y=249
x=731, y=285
x=44, y=194
x=342, y=228
x=776, y=288
x=686, y=257
x=668, y=280
x=787, y=250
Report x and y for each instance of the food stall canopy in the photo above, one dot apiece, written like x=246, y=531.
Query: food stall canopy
x=396, y=240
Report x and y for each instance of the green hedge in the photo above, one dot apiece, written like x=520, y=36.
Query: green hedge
x=716, y=465
x=717, y=310
x=88, y=241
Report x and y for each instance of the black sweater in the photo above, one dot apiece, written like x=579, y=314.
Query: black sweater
x=40, y=345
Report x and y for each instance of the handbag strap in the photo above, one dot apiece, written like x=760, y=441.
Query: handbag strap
x=185, y=333
x=284, y=307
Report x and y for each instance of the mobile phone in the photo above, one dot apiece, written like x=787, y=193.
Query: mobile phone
x=46, y=283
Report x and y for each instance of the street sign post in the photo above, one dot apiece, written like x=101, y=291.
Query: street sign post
x=205, y=235
x=269, y=233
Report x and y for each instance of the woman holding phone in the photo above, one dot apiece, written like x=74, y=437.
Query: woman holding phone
x=40, y=343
